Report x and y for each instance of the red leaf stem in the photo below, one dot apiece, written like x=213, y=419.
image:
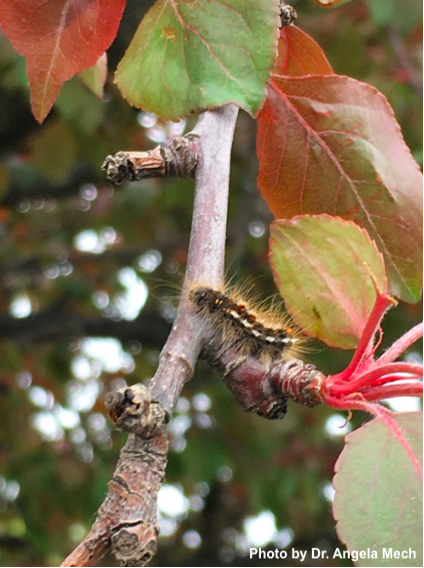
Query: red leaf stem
x=401, y=344
x=367, y=379
x=365, y=346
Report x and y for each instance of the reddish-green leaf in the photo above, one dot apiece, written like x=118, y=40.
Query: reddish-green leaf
x=95, y=77
x=330, y=144
x=189, y=55
x=299, y=54
x=378, y=499
x=59, y=38
x=326, y=269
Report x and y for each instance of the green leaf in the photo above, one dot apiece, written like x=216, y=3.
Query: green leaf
x=378, y=499
x=190, y=55
x=325, y=269
x=95, y=77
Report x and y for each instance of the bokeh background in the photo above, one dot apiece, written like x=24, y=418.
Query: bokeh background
x=89, y=276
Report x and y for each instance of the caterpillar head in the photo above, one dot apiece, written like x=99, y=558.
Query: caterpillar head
x=202, y=297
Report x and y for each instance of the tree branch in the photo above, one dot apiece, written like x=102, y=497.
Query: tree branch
x=126, y=520
x=206, y=252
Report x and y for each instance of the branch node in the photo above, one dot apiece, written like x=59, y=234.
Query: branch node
x=135, y=545
x=177, y=160
x=132, y=410
x=182, y=155
x=288, y=14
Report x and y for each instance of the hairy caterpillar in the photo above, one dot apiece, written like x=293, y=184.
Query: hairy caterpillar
x=262, y=334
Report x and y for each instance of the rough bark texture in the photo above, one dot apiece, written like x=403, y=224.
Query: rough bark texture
x=178, y=160
x=126, y=521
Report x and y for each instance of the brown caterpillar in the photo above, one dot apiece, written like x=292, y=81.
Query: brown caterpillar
x=264, y=335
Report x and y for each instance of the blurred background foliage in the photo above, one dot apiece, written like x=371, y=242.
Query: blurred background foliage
x=89, y=277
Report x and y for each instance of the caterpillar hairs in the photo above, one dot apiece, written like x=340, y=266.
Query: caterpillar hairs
x=255, y=331
x=254, y=349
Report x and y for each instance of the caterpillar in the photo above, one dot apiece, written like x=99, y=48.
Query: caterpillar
x=260, y=333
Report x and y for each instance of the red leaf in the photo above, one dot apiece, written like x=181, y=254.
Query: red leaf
x=299, y=54
x=59, y=38
x=330, y=144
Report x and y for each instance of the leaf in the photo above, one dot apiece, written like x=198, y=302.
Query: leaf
x=190, y=55
x=325, y=269
x=330, y=3
x=299, y=54
x=378, y=499
x=330, y=144
x=59, y=38
x=95, y=77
